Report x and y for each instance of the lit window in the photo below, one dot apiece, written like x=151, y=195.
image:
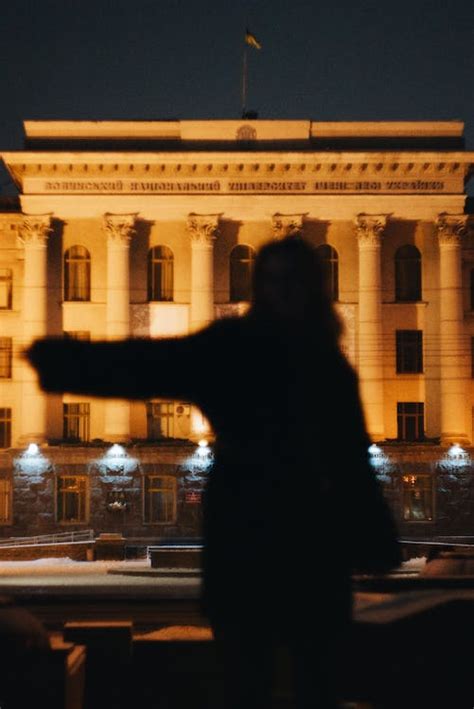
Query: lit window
x=6, y=345
x=5, y=501
x=160, y=419
x=5, y=428
x=159, y=499
x=6, y=288
x=160, y=274
x=410, y=420
x=407, y=274
x=242, y=259
x=77, y=274
x=409, y=351
x=76, y=420
x=417, y=493
x=71, y=498
x=330, y=266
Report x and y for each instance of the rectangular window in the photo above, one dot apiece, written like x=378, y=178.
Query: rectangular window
x=6, y=288
x=71, y=498
x=76, y=421
x=409, y=351
x=159, y=499
x=6, y=352
x=418, y=498
x=5, y=501
x=160, y=419
x=77, y=335
x=410, y=420
x=5, y=428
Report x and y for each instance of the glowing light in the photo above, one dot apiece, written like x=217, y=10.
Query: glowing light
x=32, y=450
x=33, y=463
x=116, y=462
x=203, y=443
x=374, y=449
x=116, y=451
x=456, y=451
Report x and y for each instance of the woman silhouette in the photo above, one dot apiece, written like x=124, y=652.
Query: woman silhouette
x=292, y=504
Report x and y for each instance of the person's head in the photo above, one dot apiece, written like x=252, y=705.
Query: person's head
x=289, y=286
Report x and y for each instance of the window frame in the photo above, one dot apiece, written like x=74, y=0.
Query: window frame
x=405, y=416
x=160, y=275
x=6, y=501
x=146, y=508
x=329, y=260
x=6, y=278
x=83, y=419
x=407, y=266
x=86, y=499
x=6, y=357
x=168, y=417
x=240, y=273
x=6, y=422
x=73, y=292
x=408, y=482
x=405, y=350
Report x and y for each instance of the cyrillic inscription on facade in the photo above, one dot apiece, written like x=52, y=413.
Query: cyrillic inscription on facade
x=240, y=186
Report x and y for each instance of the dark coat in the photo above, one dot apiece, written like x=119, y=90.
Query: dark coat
x=291, y=491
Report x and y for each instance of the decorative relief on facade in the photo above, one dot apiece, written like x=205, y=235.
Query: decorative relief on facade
x=34, y=229
x=203, y=228
x=369, y=228
x=246, y=133
x=120, y=227
x=287, y=224
x=451, y=228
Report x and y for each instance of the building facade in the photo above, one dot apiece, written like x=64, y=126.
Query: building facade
x=151, y=228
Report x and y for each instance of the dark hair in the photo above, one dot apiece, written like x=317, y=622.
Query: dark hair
x=289, y=286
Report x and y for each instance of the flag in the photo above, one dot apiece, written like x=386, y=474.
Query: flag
x=251, y=40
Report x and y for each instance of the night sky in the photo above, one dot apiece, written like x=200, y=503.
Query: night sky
x=148, y=59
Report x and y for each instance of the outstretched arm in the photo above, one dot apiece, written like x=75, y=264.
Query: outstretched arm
x=131, y=369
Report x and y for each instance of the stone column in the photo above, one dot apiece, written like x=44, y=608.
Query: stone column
x=454, y=350
x=34, y=233
x=287, y=224
x=203, y=229
x=119, y=229
x=369, y=228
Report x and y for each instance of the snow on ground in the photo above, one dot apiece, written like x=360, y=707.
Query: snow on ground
x=65, y=565
x=415, y=564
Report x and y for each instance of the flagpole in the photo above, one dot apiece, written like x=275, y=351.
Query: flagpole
x=244, y=82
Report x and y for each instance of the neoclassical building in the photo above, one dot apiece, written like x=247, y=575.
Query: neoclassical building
x=150, y=229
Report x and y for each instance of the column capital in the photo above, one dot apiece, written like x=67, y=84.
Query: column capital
x=287, y=224
x=120, y=227
x=34, y=229
x=369, y=228
x=203, y=228
x=451, y=228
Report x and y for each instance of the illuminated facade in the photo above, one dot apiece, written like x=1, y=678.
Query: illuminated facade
x=150, y=229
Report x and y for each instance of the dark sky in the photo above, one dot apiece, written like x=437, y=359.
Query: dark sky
x=326, y=60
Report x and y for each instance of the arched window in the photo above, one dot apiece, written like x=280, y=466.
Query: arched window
x=330, y=263
x=160, y=273
x=407, y=274
x=242, y=258
x=77, y=274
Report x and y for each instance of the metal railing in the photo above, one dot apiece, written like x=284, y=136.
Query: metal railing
x=86, y=535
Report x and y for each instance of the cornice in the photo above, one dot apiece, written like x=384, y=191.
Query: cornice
x=314, y=166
